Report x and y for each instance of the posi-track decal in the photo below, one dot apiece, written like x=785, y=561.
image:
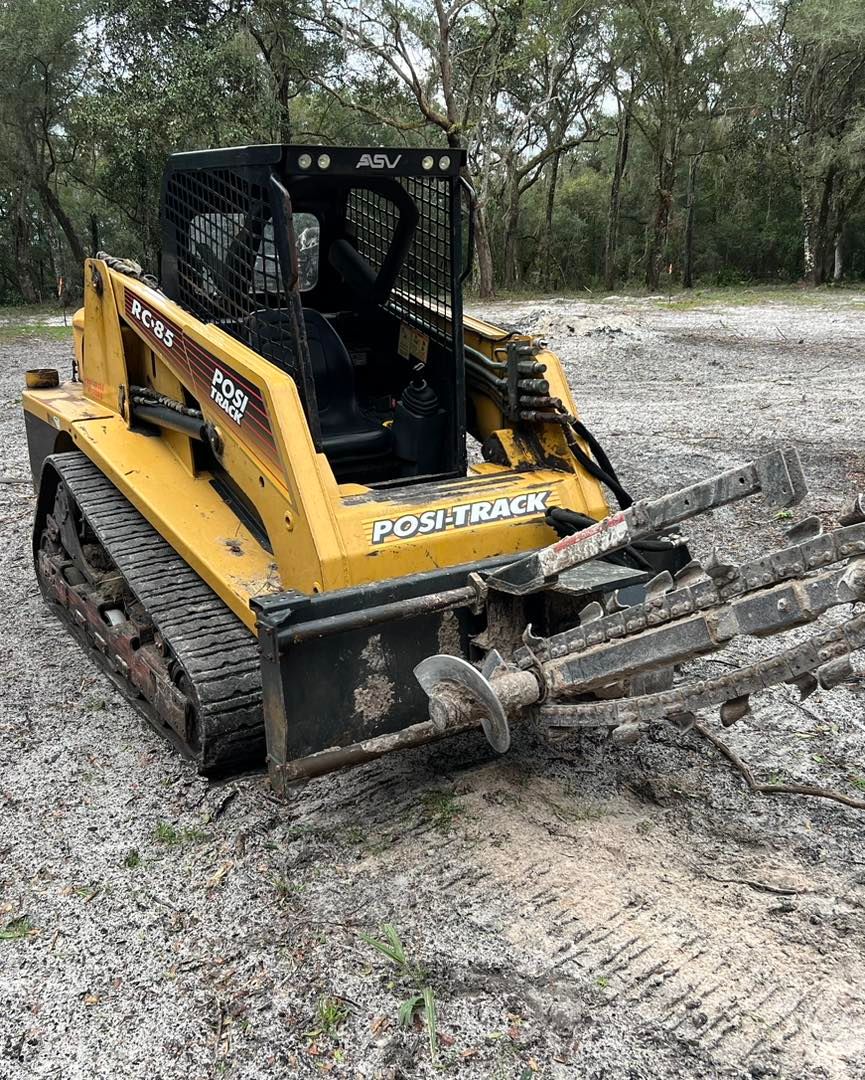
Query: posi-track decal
x=229, y=397
x=525, y=505
x=237, y=397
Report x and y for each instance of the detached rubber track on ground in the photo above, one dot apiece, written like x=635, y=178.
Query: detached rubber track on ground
x=217, y=653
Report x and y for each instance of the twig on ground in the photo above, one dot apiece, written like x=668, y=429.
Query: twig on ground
x=220, y=1024
x=809, y=713
x=760, y=886
x=224, y=803
x=774, y=789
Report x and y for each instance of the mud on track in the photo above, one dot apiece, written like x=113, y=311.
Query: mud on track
x=582, y=914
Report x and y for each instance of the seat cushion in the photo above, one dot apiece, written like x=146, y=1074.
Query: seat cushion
x=345, y=431
x=369, y=442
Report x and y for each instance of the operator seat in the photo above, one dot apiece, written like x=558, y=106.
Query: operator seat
x=348, y=437
x=345, y=431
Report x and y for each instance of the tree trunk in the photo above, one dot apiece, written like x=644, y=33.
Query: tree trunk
x=822, y=246
x=664, y=196
x=691, y=200
x=283, y=98
x=22, y=248
x=547, y=272
x=656, y=239
x=838, y=267
x=668, y=143
x=817, y=198
x=483, y=253
x=512, y=224
x=807, y=234
x=52, y=203
x=611, y=242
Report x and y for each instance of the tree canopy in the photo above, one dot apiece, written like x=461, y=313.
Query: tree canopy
x=608, y=141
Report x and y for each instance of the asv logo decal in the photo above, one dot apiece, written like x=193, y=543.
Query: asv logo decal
x=230, y=398
x=377, y=161
x=152, y=323
x=458, y=517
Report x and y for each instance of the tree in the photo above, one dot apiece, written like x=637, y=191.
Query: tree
x=446, y=61
x=44, y=61
x=819, y=51
x=182, y=77
x=626, y=89
x=549, y=91
x=291, y=45
x=605, y=139
x=681, y=66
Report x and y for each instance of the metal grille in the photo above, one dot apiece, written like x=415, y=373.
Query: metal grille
x=422, y=291
x=228, y=263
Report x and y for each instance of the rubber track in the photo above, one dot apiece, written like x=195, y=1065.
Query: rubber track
x=216, y=651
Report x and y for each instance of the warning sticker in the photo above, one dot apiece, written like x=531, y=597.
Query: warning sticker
x=412, y=343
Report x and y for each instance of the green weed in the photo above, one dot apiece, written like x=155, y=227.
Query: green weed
x=330, y=1013
x=132, y=859
x=86, y=892
x=194, y=836
x=167, y=834
x=286, y=889
x=17, y=929
x=423, y=998
x=393, y=949
x=443, y=808
x=425, y=1004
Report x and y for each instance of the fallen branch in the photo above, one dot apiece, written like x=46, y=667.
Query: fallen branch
x=774, y=789
x=760, y=886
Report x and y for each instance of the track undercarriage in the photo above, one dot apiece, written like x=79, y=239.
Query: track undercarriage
x=169, y=644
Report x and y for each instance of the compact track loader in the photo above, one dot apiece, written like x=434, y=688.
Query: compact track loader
x=256, y=508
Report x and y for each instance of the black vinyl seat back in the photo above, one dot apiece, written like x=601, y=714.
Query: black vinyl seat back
x=345, y=431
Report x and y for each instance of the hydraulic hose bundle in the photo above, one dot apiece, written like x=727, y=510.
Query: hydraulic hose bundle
x=517, y=386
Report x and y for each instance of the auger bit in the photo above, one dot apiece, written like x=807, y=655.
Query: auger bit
x=704, y=608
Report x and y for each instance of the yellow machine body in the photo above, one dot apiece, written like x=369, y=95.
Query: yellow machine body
x=323, y=535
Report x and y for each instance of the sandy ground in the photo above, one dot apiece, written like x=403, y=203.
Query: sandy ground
x=593, y=914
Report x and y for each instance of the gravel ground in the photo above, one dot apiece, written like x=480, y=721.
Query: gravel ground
x=584, y=914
